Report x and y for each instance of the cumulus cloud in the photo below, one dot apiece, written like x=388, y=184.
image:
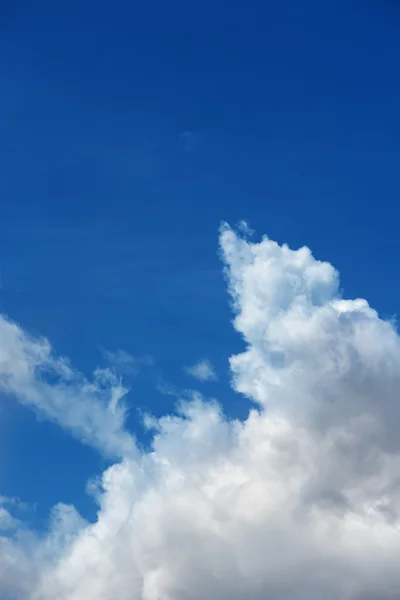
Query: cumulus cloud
x=92, y=410
x=203, y=371
x=301, y=500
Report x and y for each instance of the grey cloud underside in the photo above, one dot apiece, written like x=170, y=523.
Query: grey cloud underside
x=301, y=500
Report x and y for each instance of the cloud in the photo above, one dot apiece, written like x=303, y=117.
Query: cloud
x=244, y=229
x=92, y=410
x=300, y=500
x=203, y=371
x=124, y=363
x=7, y=521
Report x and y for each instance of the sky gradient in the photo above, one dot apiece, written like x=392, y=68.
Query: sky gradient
x=129, y=132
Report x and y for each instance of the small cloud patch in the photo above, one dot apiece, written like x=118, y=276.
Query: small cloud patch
x=203, y=371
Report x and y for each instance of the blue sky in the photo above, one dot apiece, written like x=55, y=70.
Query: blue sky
x=129, y=132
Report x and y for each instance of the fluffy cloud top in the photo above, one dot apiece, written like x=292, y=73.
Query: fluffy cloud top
x=203, y=371
x=301, y=500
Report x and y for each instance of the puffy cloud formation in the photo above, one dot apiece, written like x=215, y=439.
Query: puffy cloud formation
x=301, y=500
x=203, y=371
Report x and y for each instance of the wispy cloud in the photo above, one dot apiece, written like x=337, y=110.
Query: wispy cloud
x=7, y=521
x=124, y=363
x=93, y=410
x=301, y=500
x=202, y=370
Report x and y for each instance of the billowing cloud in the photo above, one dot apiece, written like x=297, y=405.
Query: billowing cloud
x=301, y=500
x=203, y=371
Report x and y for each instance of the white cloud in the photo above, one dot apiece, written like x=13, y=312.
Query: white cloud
x=92, y=410
x=302, y=500
x=7, y=521
x=244, y=229
x=124, y=363
x=203, y=371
